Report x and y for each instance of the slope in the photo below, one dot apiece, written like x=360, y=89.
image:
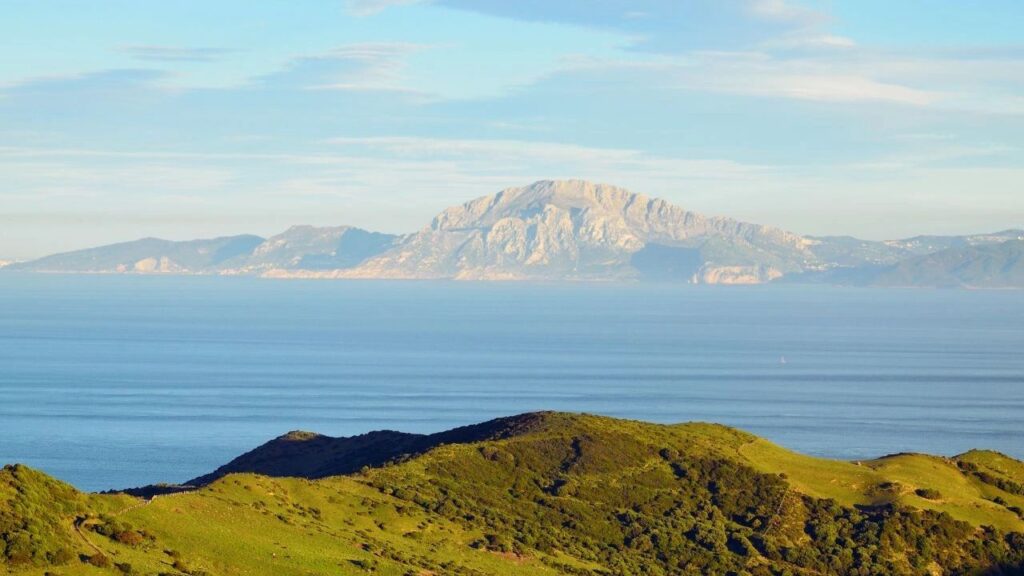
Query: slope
x=149, y=255
x=554, y=493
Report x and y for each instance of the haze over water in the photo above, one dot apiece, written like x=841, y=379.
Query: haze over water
x=115, y=381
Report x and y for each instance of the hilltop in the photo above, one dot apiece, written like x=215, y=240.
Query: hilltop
x=311, y=455
x=544, y=493
x=570, y=230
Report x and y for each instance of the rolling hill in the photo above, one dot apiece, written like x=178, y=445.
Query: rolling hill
x=542, y=493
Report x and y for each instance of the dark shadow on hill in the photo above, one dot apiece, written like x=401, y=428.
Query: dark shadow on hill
x=660, y=263
x=1006, y=570
x=310, y=455
x=153, y=490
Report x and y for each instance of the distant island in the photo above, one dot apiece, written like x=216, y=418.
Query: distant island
x=540, y=493
x=572, y=231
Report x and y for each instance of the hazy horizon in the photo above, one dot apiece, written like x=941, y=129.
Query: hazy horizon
x=270, y=233
x=191, y=120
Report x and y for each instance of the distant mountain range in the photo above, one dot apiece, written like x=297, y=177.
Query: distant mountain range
x=572, y=230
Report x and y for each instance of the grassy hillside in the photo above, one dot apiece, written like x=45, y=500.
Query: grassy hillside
x=540, y=494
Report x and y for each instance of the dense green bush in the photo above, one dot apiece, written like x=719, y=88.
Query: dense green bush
x=636, y=509
x=34, y=509
x=120, y=531
x=99, y=560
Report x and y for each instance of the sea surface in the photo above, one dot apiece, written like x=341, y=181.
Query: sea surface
x=118, y=381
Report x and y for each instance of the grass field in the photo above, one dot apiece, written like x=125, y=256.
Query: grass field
x=570, y=495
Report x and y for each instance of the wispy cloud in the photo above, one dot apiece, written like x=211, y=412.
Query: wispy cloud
x=812, y=41
x=782, y=10
x=826, y=88
x=370, y=7
x=152, y=53
x=380, y=67
x=414, y=176
x=363, y=67
x=566, y=159
x=763, y=74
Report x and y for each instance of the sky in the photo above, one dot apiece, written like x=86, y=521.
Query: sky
x=199, y=118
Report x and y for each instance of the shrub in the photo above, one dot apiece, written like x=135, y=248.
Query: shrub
x=369, y=565
x=61, y=556
x=130, y=537
x=99, y=560
x=928, y=493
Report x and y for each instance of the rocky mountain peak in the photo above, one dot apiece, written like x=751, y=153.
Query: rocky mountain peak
x=529, y=201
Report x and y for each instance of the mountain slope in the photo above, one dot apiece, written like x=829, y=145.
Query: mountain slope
x=299, y=247
x=921, y=245
x=846, y=251
x=988, y=266
x=311, y=455
x=311, y=248
x=149, y=255
x=578, y=230
x=547, y=493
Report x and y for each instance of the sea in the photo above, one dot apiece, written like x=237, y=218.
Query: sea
x=111, y=381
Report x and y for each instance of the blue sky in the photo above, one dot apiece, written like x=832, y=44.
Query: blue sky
x=880, y=119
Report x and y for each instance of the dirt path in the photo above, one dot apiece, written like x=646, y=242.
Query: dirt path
x=778, y=510
x=77, y=526
x=80, y=524
x=141, y=504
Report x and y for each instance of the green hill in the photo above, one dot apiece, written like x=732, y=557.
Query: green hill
x=546, y=493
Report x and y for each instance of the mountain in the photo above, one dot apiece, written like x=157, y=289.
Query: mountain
x=299, y=247
x=542, y=493
x=575, y=230
x=565, y=230
x=984, y=265
x=149, y=255
x=850, y=252
x=979, y=265
x=921, y=245
x=312, y=248
x=846, y=251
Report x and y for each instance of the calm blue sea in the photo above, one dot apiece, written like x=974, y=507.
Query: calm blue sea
x=115, y=381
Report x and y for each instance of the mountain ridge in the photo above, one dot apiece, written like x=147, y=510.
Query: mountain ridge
x=578, y=230
x=313, y=455
x=559, y=230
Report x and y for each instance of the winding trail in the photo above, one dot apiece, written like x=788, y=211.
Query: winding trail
x=77, y=525
x=778, y=510
x=142, y=504
x=80, y=522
